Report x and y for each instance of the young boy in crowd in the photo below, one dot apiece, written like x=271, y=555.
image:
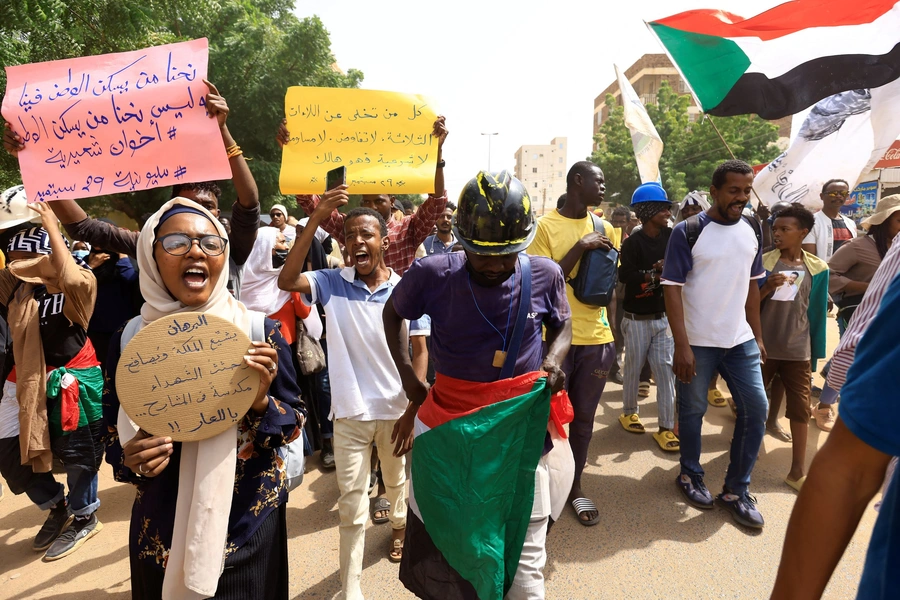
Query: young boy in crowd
x=794, y=298
x=57, y=380
x=367, y=394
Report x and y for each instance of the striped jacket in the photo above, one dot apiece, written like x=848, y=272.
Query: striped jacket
x=865, y=312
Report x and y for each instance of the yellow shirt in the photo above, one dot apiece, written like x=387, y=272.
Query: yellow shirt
x=556, y=235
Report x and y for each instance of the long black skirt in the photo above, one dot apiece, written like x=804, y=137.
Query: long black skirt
x=257, y=571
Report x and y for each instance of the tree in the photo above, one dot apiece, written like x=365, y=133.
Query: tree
x=692, y=148
x=258, y=48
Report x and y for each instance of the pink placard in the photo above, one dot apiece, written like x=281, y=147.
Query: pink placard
x=115, y=123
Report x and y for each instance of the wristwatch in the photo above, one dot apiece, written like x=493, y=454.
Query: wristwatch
x=441, y=164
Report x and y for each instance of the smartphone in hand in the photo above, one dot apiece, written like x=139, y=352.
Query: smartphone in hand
x=335, y=178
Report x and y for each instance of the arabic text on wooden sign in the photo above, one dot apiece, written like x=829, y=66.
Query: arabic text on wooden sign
x=185, y=377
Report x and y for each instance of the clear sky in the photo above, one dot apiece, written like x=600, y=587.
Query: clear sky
x=528, y=70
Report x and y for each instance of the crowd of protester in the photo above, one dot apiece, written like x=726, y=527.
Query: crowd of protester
x=384, y=329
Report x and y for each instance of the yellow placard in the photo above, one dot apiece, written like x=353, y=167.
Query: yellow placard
x=384, y=139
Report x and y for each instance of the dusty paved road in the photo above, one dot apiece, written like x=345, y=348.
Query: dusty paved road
x=649, y=544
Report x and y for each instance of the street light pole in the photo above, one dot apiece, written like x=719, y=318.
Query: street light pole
x=490, y=135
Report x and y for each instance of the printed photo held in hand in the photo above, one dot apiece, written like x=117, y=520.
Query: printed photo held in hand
x=175, y=550
x=787, y=290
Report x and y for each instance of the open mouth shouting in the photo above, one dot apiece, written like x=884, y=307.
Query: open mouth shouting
x=735, y=210
x=362, y=259
x=195, y=277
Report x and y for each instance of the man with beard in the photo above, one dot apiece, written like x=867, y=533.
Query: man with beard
x=442, y=241
x=484, y=483
x=718, y=249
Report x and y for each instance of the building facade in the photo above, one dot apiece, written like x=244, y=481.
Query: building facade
x=542, y=169
x=646, y=75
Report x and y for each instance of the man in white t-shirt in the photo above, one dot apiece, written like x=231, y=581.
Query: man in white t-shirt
x=712, y=301
x=367, y=396
x=832, y=229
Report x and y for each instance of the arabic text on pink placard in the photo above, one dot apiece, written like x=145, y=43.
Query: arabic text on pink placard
x=114, y=123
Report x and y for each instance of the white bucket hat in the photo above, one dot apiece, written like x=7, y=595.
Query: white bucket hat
x=14, y=208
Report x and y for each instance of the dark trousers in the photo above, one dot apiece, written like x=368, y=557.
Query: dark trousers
x=258, y=570
x=586, y=368
x=323, y=398
x=41, y=488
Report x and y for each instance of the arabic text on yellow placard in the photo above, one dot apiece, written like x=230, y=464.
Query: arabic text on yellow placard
x=384, y=139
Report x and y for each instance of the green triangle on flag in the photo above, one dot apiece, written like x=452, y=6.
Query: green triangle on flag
x=711, y=65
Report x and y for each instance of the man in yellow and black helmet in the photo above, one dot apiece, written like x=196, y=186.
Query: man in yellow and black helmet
x=488, y=305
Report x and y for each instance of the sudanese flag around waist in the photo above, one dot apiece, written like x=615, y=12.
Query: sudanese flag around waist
x=476, y=449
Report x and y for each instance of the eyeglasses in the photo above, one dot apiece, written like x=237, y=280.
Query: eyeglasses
x=838, y=194
x=179, y=244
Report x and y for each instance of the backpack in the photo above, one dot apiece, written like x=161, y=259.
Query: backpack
x=692, y=229
x=291, y=454
x=598, y=273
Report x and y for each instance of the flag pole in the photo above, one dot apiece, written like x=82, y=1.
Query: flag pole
x=727, y=147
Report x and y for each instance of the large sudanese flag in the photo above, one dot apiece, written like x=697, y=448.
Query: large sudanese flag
x=785, y=59
x=476, y=449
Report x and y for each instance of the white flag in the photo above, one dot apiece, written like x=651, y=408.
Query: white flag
x=647, y=144
x=842, y=138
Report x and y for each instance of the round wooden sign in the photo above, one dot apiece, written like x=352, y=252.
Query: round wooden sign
x=185, y=377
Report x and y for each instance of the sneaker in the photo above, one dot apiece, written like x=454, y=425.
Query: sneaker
x=824, y=416
x=742, y=508
x=694, y=491
x=79, y=530
x=56, y=521
x=327, y=458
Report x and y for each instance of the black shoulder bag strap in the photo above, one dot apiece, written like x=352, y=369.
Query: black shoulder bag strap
x=515, y=344
x=599, y=227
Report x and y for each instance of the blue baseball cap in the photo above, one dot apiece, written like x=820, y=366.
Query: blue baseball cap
x=649, y=192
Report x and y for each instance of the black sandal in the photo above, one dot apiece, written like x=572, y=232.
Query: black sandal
x=381, y=505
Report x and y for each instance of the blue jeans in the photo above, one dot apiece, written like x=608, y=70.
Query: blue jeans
x=82, y=482
x=740, y=367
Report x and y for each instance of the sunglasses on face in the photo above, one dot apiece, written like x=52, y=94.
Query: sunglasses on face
x=179, y=244
x=838, y=194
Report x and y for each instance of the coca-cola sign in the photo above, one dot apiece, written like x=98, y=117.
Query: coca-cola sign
x=891, y=158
